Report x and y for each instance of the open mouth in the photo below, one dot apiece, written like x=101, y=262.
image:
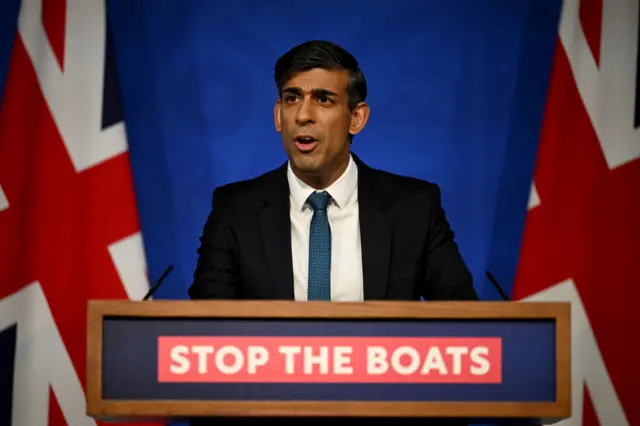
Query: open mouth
x=306, y=143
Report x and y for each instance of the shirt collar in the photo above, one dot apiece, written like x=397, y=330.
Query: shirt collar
x=342, y=190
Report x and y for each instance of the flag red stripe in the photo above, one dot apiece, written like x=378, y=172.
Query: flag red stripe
x=591, y=21
x=54, y=19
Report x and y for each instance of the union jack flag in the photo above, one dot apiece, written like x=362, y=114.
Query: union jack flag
x=68, y=217
x=582, y=230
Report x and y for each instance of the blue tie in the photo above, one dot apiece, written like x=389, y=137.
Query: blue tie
x=319, y=248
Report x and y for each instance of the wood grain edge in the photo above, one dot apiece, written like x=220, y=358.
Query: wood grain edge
x=94, y=361
x=563, y=360
x=115, y=409
x=273, y=309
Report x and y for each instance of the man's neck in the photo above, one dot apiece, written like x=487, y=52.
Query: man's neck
x=324, y=179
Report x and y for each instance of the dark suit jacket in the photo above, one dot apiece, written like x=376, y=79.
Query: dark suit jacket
x=408, y=249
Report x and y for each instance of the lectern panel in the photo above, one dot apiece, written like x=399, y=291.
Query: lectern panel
x=478, y=361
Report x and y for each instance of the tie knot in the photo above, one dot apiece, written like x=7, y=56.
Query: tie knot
x=319, y=200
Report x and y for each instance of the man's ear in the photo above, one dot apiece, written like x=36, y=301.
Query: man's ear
x=359, y=117
x=276, y=115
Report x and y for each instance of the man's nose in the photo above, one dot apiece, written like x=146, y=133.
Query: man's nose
x=305, y=113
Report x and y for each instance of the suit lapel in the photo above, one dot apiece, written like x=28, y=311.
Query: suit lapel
x=375, y=234
x=275, y=227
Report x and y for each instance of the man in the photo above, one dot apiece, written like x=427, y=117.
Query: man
x=325, y=226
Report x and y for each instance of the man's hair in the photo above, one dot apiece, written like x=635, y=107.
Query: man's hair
x=325, y=55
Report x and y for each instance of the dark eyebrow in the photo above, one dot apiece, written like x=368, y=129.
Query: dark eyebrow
x=315, y=92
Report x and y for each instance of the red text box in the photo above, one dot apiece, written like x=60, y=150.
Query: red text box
x=329, y=359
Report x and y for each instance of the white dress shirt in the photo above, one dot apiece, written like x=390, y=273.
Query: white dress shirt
x=346, y=255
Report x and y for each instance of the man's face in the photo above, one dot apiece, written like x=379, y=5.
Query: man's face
x=314, y=119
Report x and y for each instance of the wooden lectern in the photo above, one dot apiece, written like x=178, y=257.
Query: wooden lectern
x=482, y=361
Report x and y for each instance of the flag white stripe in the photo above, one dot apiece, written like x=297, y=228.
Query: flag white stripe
x=4, y=203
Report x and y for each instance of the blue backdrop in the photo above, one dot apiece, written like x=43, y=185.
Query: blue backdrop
x=457, y=91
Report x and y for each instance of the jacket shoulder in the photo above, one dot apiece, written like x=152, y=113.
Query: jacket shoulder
x=246, y=192
x=405, y=188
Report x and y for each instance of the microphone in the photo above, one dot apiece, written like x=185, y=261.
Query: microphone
x=497, y=286
x=157, y=284
x=502, y=293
